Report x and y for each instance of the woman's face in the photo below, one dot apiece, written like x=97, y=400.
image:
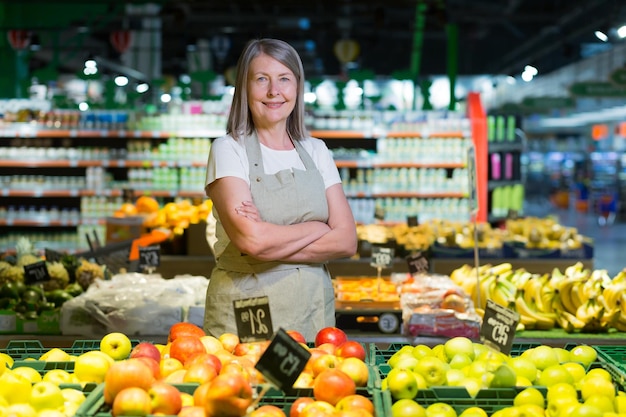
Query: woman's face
x=272, y=91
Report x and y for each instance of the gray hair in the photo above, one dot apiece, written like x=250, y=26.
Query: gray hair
x=240, y=118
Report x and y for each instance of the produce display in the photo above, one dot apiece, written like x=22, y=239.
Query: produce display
x=175, y=216
x=577, y=299
x=528, y=232
x=69, y=277
x=464, y=378
x=192, y=374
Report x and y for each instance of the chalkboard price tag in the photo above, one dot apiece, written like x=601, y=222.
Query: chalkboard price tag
x=283, y=361
x=254, y=322
x=417, y=262
x=382, y=257
x=149, y=256
x=412, y=221
x=36, y=273
x=498, y=328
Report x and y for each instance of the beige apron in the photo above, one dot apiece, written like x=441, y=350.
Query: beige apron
x=300, y=295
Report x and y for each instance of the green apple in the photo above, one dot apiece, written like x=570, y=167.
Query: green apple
x=92, y=366
x=562, y=354
x=55, y=355
x=117, y=345
x=407, y=362
x=472, y=385
x=440, y=409
x=401, y=383
x=405, y=351
x=584, y=354
x=58, y=376
x=542, y=356
x=407, y=407
x=421, y=350
x=29, y=373
x=14, y=387
x=523, y=367
x=73, y=396
x=439, y=351
x=460, y=361
x=433, y=369
x=554, y=374
x=503, y=377
x=474, y=411
x=458, y=345
x=530, y=395
x=576, y=370
x=20, y=410
x=454, y=377
x=595, y=385
x=46, y=395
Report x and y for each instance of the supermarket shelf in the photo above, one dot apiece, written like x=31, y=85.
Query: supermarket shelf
x=110, y=163
x=106, y=193
x=400, y=194
x=370, y=164
x=409, y=134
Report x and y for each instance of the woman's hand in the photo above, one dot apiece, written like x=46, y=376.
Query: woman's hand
x=249, y=210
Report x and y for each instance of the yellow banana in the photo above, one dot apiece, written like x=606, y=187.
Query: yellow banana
x=577, y=296
x=576, y=324
x=620, y=322
x=546, y=296
x=501, y=268
x=565, y=290
x=590, y=310
x=543, y=321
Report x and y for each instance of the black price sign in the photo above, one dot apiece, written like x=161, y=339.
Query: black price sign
x=417, y=262
x=379, y=213
x=412, y=221
x=254, y=322
x=382, y=257
x=283, y=361
x=52, y=255
x=498, y=328
x=149, y=256
x=36, y=273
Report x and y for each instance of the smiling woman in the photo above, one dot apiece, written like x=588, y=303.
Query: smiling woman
x=279, y=208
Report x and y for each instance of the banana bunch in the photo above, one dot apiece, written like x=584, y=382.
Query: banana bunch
x=587, y=300
x=488, y=282
x=533, y=303
x=614, y=297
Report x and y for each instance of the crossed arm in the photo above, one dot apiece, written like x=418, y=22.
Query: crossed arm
x=311, y=241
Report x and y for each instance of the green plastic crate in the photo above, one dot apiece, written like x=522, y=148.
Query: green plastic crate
x=22, y=349
x=615, y=356
x=490, y=400
x=81, y=346
x=44, y=366
x=94, y=405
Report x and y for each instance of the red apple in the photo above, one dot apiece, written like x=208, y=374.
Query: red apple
x=126, y=373
x=315, y=353
x=267, y=410
x=327, y=347
x=297, y=336
x=227, y=395
x=146, y=349
x=351, y=349
x=185, y=347
x=154, y=365
x=132, y=401
x=298, y=405
x=318, y=409
x=229, y=341
x=332, y=335
x=200, y=372
x=250, y=348
x=176, y=377
x=356, y=369
x=191, y=411
x=332, y=385
x=205, y=357
x=184, y=328
x=354, y=402
x=324, y=362
x=304, y=380
x=166, y=398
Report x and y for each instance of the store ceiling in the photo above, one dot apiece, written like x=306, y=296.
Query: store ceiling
x=494, y=36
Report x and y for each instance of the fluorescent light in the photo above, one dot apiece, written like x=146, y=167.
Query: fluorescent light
x=621, y=31
x=601, y=35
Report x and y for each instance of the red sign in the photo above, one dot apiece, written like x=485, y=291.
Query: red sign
x=120, y=40
x=19, y=39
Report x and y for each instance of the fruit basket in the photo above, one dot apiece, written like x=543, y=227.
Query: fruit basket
x=20, y=350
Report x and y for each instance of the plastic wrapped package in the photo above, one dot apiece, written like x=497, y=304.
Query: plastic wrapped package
x=433, y=305
x=134, y=304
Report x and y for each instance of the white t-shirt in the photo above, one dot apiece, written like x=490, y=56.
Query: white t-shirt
x=228, y=158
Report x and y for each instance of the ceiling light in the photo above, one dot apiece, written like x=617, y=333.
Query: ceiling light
x=621, y=31
x=601, y=35
x=142, y=88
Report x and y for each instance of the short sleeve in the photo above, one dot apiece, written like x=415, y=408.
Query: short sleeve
x=227, y=158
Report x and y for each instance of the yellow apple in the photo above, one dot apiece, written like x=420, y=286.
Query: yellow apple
x=58, y=376
x=46, y=395
x=211, y=343
x=29, y=373
x=117, y=345
x=14, y=387
x=21, y=409
x=55, y=355
x=92, y=366
x=73, y=395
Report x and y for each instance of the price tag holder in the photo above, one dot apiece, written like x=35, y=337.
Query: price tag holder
x=382, y=257
x=498, y=328
x=379, y=213
x=471, y=172
x=283, y=361
x=418, y=263
x=149, y=256
x=412, y=221
x=36, y=273
x=253, y=318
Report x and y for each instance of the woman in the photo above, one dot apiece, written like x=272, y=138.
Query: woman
x=278, y=202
